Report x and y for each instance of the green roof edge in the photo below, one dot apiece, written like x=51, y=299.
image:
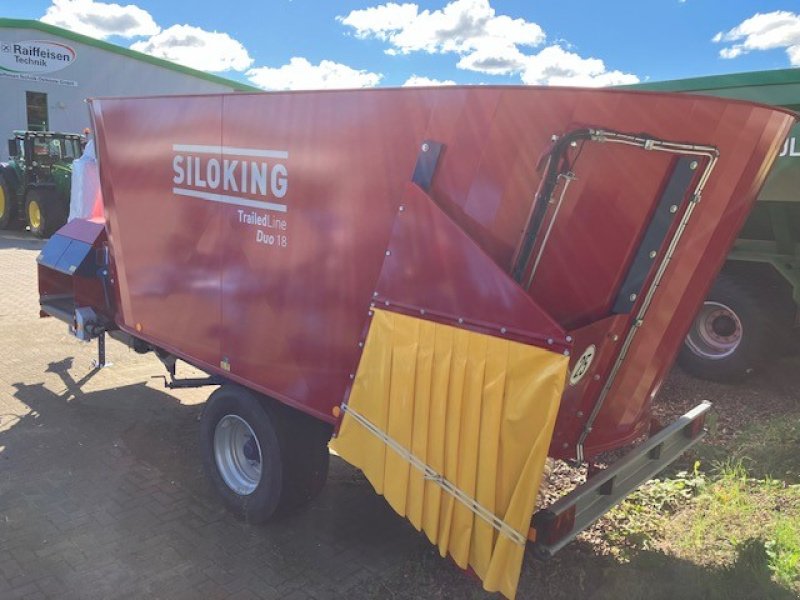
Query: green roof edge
x=140, y=56
x=716, y=82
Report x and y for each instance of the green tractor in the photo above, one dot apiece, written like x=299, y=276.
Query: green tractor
x=35, y=182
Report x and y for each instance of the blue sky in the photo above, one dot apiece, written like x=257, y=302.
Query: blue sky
x=281, y=44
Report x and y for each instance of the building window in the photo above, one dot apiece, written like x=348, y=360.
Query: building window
x=37, y=111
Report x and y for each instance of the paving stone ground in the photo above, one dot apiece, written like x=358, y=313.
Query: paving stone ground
x=102, y=494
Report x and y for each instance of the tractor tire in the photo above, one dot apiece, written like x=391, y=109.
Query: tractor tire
x=7, y=204
x=44, y=212
x=738, y=330
x=263, y=458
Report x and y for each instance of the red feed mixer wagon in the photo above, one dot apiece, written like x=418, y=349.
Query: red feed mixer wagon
x=454, y=283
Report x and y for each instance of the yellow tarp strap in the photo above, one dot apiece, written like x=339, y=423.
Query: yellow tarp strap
x=453, y=427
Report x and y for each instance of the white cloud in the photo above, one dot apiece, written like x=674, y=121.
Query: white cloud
x=484, y=41
x=764, y=31
x=494, y=59
x=420, y=80
x=731, y=52
x=300, y=74
x=197, y=48
x=380, y=21
x=100, y=19
x=556, y=66
x=461, y=26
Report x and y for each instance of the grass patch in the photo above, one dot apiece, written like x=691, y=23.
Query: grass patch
x=724, y=519
x=768, y=448
x=784, y=551
x=636, y=522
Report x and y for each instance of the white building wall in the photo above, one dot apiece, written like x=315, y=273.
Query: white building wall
x=95, y=72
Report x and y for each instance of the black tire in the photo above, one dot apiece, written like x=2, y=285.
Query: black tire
x=50, y=209
x=292, y=450
x=8, y=201
x=739, y=329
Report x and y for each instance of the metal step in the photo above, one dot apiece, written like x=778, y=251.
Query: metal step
x=555, y=526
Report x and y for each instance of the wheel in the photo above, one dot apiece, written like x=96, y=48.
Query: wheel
x=263, y=458
x=737, y=331
x=44, y=212
x=7, y=204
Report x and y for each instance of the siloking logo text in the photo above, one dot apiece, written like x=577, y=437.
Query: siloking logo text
x=254, y=180
x=35, y=56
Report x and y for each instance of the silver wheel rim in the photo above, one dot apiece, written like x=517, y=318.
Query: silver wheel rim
x=716, y=332
x=237, y=454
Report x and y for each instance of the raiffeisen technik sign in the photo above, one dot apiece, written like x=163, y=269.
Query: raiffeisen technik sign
x=35, y=56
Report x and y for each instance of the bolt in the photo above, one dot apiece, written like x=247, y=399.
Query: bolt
x=502, y=330
x=673, y=209
x=614, y=338
x=596, y=378
x=579, y=414
x=566, y=352
x=553, y=138
x=569, y=338
x=632, y=297
x=374, y=294
x=388, y=253
x=653, y=253
x=369, y=313
x=352, y=376
x=360, y=344
x=422, y=311
x=565, y=445
x=402, y=208
x=693, y=165
x=460, y=320
x=550, y=341
x=386, y=303
x=372, y=305
x=573, y=144
x=425, y=147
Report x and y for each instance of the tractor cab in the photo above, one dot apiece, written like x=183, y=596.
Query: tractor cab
x=42, y=153
x=35, y=182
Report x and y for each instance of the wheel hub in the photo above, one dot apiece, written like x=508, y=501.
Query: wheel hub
x=34, y=215
x=251, y=452
x=716, y=332
x=723, y=326
x=237, y=454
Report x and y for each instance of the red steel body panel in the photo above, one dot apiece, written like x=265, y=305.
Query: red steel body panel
x=283, y=310
x=433, y=269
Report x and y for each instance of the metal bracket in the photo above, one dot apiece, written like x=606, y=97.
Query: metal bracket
x=663, y=218
x=100, y=362
x=427, y=160
x=559, y=523
x=191, y=382
x=170, y=362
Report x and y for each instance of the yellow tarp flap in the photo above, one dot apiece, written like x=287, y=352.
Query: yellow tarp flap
x=453, y=427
